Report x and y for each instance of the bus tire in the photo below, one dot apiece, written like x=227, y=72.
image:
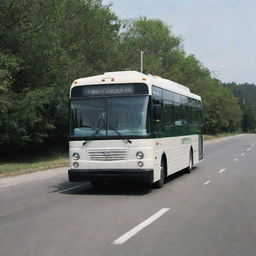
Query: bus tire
x=97, y=185
x=190, y=162
x=160, y=182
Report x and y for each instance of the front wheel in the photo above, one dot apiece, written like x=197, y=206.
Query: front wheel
x=190, y=163
x=160, y=182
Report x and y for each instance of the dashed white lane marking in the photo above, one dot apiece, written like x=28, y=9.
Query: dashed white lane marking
x=242, y=154
x=139, y=227
x=207, y=182
x=222, y=170
x=78, y=186
x=236, y=159
x=248, y=149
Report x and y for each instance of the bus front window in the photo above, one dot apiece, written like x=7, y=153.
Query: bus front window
x=87, y=116
x=128, y=115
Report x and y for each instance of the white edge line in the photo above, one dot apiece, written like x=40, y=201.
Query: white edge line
x=72, y=188
x=222, y=170
x=141, y=226
x=242, y=154
x=207, y=182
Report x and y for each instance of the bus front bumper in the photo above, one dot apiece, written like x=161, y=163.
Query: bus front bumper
x=112, y=175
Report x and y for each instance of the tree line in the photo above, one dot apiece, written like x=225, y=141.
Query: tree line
x=246, y=93
x=46, y=44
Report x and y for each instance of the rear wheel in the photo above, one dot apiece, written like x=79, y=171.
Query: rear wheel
x=160, y=182
x=190, y=163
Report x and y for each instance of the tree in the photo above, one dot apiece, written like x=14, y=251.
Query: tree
x=153, y=37
x=246, y=93
x=44, y=46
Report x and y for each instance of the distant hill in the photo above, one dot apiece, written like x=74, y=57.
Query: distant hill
x=246, y=93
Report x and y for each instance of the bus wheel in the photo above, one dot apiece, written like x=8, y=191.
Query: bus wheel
x=190, y=163
x=160, y=182
x=97, y=185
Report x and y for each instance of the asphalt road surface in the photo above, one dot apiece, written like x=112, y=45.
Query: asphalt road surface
x=211, y=211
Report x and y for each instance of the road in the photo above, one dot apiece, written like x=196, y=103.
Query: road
x=211, y=211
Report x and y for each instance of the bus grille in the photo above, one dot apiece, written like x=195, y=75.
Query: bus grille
x=108, y=154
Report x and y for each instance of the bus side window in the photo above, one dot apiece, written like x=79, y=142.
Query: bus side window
x=173, y=114
x=188, y=114
x=177, y=113
x=177, y=110
x=157, y=117
x=168, y=118
x=157, y=112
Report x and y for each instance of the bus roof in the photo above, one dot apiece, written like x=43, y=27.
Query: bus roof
x=135, y=77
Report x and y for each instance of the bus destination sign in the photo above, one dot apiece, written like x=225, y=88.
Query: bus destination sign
x=108, y=90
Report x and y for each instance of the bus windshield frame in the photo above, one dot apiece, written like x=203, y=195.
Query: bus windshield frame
x=129, y=115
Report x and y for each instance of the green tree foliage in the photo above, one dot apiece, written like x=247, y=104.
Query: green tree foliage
x=9, y=66
x=249, y=118
x=44, y=46
x=246, y=93
x=153, y=37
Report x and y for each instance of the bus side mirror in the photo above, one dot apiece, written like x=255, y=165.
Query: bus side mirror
x=157, y=112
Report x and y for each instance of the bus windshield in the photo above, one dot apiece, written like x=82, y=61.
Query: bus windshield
x=127, y=115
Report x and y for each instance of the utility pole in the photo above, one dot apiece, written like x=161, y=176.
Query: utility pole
x=141, y=61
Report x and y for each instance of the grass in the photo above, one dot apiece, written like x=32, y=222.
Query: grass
x=219, y=135
x=30, y=164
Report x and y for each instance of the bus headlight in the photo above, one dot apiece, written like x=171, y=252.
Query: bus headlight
x=139, y=155
x=75, y=164
x=76, y=156
x=140, y=164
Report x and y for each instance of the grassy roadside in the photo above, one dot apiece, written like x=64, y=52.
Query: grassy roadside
x=55, y=159
x=32, y=164
x=220, y=135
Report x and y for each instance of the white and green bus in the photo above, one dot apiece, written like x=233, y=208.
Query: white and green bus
x=130, y=127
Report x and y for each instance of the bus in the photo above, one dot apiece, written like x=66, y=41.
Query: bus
x=126, y=126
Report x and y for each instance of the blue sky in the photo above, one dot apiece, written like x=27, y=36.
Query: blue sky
x=220, y=33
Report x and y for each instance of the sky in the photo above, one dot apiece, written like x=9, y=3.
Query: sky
x=220, y=33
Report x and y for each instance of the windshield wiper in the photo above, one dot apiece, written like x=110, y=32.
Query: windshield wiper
x=120, y=135
x=94, y=134
x=102, y=118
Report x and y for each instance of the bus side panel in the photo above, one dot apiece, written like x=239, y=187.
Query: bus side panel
x=177, y=150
